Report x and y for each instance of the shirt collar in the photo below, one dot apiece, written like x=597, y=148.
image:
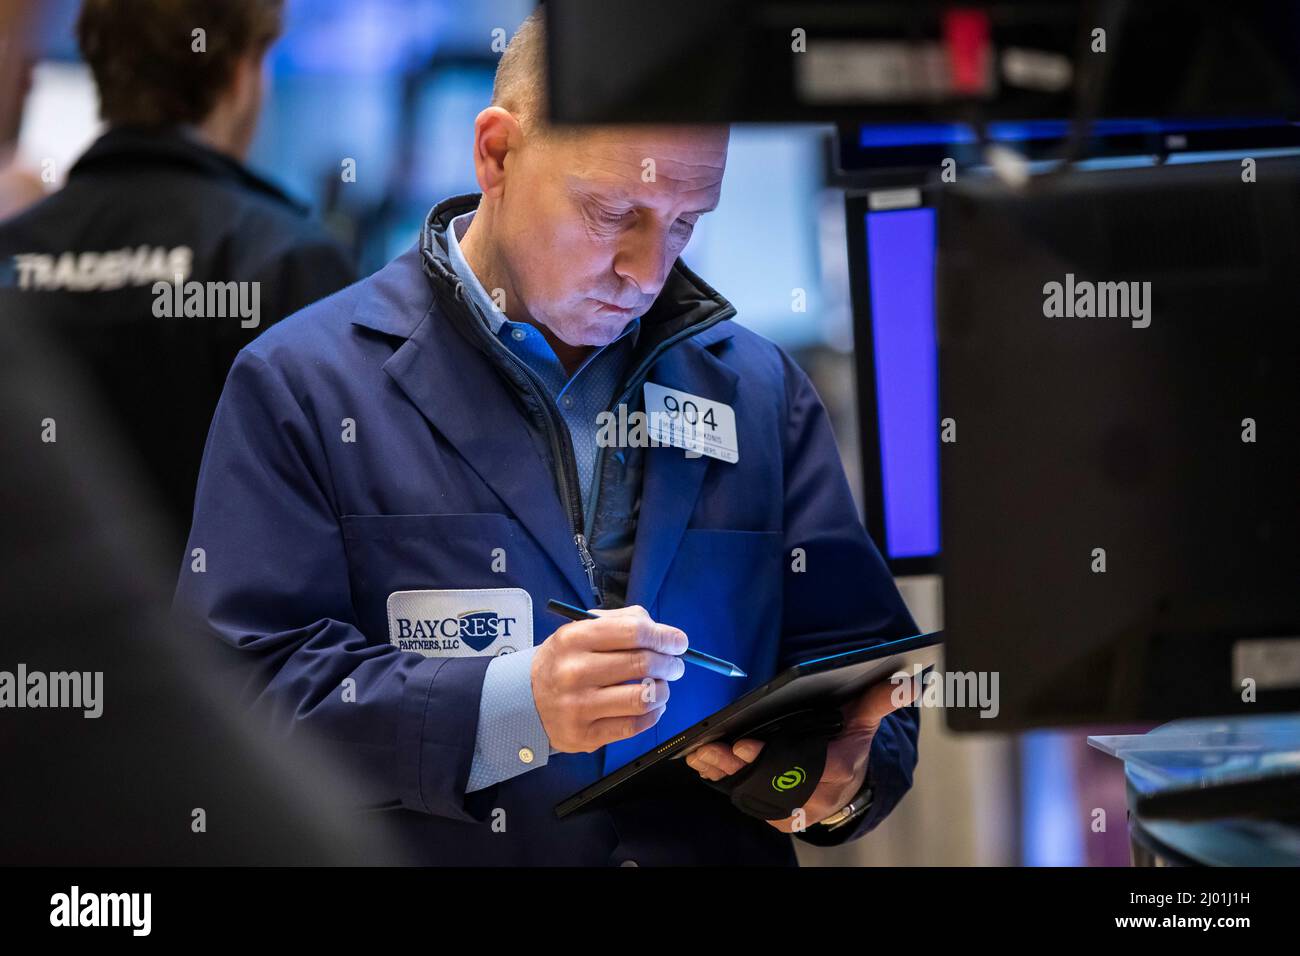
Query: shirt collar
x=495, y=318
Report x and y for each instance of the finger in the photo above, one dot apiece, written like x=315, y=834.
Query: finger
x=609, y=729
x=714, y=761
x=726, y=759
x=705, y=770
x=727, y=762
x=747, y=749
x=704, y=757
x=879, y=701
x=607, y=668
x=630, y=610
x=626, y=700
x=613, y=631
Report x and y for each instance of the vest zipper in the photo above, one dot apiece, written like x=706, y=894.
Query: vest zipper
x=560, y=442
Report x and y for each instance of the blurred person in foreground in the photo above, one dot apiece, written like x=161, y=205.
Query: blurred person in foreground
x=164, y=255
x=119, y=742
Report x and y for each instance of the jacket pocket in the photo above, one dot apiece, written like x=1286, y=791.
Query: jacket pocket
x=724, y=589
x=388, y=553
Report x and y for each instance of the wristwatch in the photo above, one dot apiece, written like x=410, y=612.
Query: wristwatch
x=850, y=811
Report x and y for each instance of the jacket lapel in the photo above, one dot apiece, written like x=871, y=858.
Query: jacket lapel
x=456, y=389
x=482, y=419
x=671, y=483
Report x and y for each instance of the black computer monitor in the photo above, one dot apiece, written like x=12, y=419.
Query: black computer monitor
x=892, y=231
x=891, y=61
x=1121, y=505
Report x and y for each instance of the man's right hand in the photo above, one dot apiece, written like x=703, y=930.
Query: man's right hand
x=581, y=677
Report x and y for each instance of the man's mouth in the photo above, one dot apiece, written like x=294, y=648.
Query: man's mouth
x=611, y=307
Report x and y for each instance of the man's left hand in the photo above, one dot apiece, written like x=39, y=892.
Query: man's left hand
x=846, y=756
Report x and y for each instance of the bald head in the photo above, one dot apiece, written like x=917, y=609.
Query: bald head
x=520, y=84
x=579, y=227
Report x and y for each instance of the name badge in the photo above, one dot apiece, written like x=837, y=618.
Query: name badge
x=691, y=422
x=461, y=623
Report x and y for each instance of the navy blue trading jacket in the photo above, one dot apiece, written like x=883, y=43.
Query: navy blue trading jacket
x=306, y=535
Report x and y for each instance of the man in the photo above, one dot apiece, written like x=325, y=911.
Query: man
x=163, y=193
x=399, y=478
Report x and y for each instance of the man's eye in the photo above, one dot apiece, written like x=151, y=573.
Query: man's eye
x=609, y=217
x=683, y=228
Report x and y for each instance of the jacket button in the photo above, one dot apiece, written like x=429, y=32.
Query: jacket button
x=518, y=335
x=525, y=754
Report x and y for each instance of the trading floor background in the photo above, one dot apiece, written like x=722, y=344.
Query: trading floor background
x=368, y=120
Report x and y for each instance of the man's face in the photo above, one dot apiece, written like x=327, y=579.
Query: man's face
x=589, y=228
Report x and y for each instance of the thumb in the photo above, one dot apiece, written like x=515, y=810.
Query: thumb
x=880, y=700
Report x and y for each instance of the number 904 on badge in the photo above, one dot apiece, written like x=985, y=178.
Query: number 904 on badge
x=691, y=422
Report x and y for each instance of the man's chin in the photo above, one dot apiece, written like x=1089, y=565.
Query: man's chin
x=596, y=339
x=597, y=333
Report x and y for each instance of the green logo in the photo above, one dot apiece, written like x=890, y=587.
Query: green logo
x=788, y=780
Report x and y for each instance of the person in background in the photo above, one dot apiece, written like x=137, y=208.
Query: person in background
x=19, y=187
x=164, y=255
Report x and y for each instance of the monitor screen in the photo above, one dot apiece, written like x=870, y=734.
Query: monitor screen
x=900, y=263
x=891, y=275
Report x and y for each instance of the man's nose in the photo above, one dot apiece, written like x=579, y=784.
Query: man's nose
x=644, y=259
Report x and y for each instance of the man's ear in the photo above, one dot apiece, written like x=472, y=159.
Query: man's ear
x=496, y=133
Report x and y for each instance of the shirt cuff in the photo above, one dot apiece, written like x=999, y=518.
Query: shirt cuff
x=510, y=739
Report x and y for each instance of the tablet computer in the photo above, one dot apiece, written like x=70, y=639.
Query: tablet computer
x=828, y=681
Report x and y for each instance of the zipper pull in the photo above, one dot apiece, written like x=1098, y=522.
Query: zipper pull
x=588, y=565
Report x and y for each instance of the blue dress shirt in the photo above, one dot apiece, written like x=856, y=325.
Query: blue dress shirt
x=510, y=738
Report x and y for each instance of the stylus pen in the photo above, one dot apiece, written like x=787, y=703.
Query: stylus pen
x=699, y=658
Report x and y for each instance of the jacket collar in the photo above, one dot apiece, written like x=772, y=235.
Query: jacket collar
x=132, y=147
x=479, y=413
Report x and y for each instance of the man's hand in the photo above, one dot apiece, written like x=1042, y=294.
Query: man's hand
x=846, y=756
x=581, y=675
